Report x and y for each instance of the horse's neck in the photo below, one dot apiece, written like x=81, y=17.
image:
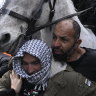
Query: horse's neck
x=62, y=8
x=44, y=17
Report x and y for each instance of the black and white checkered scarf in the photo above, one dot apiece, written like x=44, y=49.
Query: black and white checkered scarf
x=40, y=50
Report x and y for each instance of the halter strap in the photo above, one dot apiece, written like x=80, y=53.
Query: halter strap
x=52, y=9
x=14, y=14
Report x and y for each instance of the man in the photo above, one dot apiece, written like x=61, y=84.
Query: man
x=30, y=74
x=66, y=48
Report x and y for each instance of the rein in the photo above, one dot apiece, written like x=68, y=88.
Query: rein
x=60, y=19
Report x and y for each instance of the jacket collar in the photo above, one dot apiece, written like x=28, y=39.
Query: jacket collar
x=69, y=68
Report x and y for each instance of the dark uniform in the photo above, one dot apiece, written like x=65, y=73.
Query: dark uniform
x=70, y=83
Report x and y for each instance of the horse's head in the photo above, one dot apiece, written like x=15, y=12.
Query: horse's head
x=10, y=26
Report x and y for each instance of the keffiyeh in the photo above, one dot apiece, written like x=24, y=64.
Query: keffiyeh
x=40, y=50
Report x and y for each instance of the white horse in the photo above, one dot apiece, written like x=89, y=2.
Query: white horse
x=11, y=28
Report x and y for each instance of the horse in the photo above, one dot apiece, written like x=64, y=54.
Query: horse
x=11, y=27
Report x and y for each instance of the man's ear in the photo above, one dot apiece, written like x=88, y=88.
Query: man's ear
x=79, y=41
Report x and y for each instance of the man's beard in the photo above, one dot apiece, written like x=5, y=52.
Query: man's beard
x=65, y=55
x=60, y=57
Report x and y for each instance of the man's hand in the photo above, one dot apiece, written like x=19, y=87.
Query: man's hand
x=16, y=82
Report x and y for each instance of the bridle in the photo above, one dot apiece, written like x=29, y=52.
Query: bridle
x=32, y=29
x=35, y=16
x=31, y=22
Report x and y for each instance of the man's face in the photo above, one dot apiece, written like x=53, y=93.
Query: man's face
x=30, y=64
x=63, y=42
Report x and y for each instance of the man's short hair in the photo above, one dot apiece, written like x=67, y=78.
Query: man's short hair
x=77, y=29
